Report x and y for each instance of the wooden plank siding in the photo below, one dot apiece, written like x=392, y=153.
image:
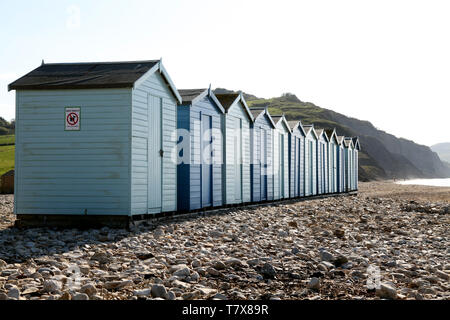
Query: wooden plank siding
x=73, y=172
x=153, y=86
x=261, y=171
x=297, y=163
x=234, y=113
x=189, y=174
x=281, y=168
x=310, y=164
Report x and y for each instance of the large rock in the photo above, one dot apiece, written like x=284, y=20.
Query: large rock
x=386, y=291
x=101, y=257
x=14, y=292
x=51, y=286
x=314, y=283
x=159, y=291
x=2, y=264
x=143, y=292
x=326, y=256
x=182, y=273
x=80, y=296
x=89, y=289
x=268, y=271
x=117, y=285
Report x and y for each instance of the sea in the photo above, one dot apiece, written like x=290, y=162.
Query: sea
x=428, y=182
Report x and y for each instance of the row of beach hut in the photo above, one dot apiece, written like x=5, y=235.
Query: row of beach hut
x=132, y=144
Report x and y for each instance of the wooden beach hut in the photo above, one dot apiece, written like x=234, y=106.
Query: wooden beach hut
x=332, y=160
x=95, y=140
x=341, y=164
x=297, y=159
x=200, y=156
x=262, y=129
x=348, y=159
x=310, y=160
x=356, y=160
x=281, y=157
x=322, y=162
x=236, y=169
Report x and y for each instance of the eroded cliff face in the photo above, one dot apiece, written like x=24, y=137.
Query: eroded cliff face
x=425, y=163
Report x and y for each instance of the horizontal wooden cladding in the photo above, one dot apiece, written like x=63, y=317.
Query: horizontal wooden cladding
x=154, y=86
x=67, y=172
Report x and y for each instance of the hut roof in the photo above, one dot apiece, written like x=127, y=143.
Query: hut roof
x=356, y=143
x=227, y=100
x=9, y=173
x=187, y=95
x=83, y=75
x=257, y=111
x=190, y=96
x=91, y=75
x=293, y=124
x=310, y=128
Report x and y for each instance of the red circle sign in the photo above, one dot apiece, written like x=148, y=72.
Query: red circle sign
x=72, y=118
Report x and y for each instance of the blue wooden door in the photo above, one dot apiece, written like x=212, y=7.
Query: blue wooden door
x=263, y=157
x=206, y=148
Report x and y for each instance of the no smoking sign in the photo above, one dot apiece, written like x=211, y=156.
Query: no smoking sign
x=72, y=118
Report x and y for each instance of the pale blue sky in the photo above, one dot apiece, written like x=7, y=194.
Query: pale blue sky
x=383, y=61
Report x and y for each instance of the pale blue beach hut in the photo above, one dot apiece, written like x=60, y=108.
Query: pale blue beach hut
x=95, y=140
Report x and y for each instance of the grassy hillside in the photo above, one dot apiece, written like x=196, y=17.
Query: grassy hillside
x=7, y=140
x=308, y=113
x=7, y=148
x=6, y=158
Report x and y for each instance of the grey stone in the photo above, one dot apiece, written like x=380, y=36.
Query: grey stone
x=268, y=271
x=182, y=273
x=89, y=289
x=51, y=286
x=326, y=256
x=14, y=293
x=143, y=292
x=80, y=296
x=386, y=291
x=158, y=291
x=314, y=283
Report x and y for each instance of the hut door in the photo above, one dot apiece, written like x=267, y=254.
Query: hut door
x=206, y=161
x=311, y=176
x=237, y=160
x=263, y=157
x=155, y=154
x=296, y=168
x=282, y=195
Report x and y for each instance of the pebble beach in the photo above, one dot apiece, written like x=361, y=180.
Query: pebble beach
x=389, y=241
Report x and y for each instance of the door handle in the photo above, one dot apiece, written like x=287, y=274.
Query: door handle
x=161, y=153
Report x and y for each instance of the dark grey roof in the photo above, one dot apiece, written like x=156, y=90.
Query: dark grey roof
x=188, y=95
x=347, y=142
x=292, y=123
x=329, y=133
x=276, y=118
x=226, y=99
x=9, y=173
x=83, y=75
x=257, y=111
